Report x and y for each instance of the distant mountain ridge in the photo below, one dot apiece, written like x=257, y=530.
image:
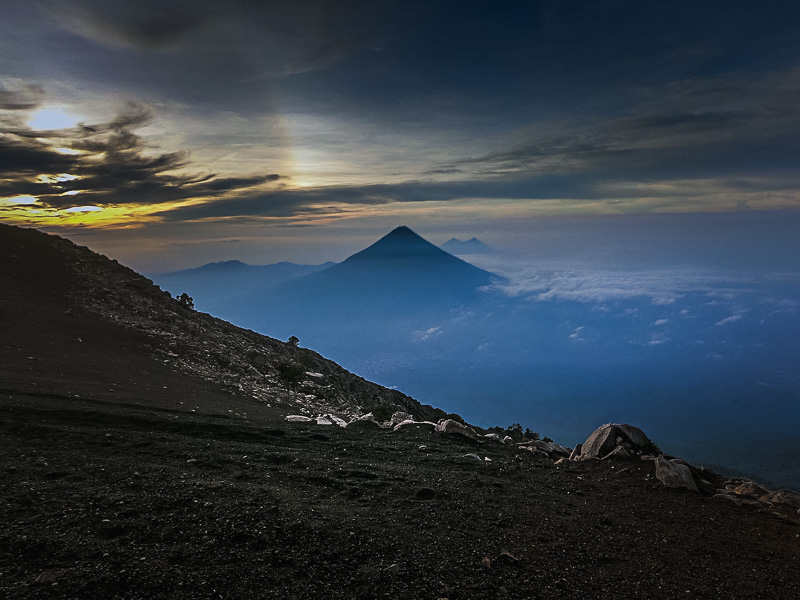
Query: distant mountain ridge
x=215, y=286
x=470, y=246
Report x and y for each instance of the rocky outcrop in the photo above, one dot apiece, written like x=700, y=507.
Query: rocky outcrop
x=604, y=441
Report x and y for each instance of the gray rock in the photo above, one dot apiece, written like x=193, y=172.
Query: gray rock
x=674, y=474
x=451, y=426
x=298, y=419
x=411, y=423
x=634, y=435
x=600, y=442
x=554, y=448
x=605, y=438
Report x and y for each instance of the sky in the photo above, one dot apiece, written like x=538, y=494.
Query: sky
x=172, y=133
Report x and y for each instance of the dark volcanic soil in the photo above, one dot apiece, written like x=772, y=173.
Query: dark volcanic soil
x=101, y=502
x=121, y=477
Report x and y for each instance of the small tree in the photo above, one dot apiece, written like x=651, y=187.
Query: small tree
x=294, y=340
x=185, y=300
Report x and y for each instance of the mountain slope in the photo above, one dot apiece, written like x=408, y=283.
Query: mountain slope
x=76, y=324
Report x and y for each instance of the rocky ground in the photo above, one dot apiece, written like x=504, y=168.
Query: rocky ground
x=144, y=455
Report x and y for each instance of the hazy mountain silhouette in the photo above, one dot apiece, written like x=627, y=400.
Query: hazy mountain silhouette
x=471, y=246
x=404, y=265
x=219, y=286
x=398, y=285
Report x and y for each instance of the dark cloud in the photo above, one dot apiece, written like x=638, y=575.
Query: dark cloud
x=107, y=163
x=719, y=125
x=146, y=23
x=27, y=97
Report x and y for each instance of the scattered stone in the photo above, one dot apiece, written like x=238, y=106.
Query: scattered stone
x=619, y=452
x=576, y=452
x=782, y=497
x=333, y=420
x=674, y=474
x=748, y=488
x=323, y=421
x=506, y=557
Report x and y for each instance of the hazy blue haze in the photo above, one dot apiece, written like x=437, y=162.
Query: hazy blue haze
x=699, y=348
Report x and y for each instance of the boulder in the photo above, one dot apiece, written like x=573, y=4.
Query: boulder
x=674, y=474
x=635, y=436
x=606, y=438
x=451, y=426
x=600, y=442
x=323, y=421
x=410, y=423
x=298, y=419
